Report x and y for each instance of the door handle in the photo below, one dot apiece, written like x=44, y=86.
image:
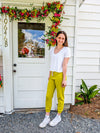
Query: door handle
x=14, y=70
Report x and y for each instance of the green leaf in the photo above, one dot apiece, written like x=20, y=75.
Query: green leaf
x=93, y=94
x=78, y=94
x=81, y=87
x=92, y=88
x=85, y=88
x=79, y=98
x=79, y=103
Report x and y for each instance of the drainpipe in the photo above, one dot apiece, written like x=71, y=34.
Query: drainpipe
x=74, y=53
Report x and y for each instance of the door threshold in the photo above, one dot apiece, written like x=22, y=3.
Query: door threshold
x=28, y=110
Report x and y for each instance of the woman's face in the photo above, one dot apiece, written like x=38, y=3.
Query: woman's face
x=60, y=39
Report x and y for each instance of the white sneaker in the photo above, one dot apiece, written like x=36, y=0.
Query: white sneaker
x=55, y=121
x=45, y=122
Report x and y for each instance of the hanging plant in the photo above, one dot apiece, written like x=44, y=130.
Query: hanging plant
x=24, y=14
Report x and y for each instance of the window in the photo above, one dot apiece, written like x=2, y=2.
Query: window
x=31, y=43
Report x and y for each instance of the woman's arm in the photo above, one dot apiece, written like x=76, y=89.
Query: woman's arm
x=65, y=62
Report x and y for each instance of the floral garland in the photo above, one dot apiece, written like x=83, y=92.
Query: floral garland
x=20, y=14
x=1, y=84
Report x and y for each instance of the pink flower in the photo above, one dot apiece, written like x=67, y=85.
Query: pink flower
x=22, y=14
x=45, y=11
x=47, y=40
x=57, y=15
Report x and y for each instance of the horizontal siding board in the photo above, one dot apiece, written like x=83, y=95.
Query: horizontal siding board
x=86, y=61
x=89, y=47
x=90, y=54
x=88, y=75
x=89, y=23
x=89, y=39
x=90, y=8
x=87, y=16
x=87, y=69
x=88, y=31
x=92, y=2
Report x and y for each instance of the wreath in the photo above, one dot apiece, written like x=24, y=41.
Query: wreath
x=56, y=8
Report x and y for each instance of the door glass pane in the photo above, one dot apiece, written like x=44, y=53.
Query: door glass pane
x=31, y=42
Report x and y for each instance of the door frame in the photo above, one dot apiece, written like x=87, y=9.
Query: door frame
x=8, y=69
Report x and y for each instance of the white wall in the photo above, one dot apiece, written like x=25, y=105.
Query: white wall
x=88, y=47
x=68, y=25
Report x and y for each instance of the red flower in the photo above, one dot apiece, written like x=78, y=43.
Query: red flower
x=42, y=7
x=15, y=16
x=3, y=11
x=3, y=7
x=27, y=13
x=23, y=52
x=26, y=50
x=49, y=4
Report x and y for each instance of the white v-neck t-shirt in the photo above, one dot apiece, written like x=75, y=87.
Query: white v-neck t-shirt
x=56, y=60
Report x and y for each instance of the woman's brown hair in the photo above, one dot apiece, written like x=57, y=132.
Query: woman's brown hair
x=66, y=41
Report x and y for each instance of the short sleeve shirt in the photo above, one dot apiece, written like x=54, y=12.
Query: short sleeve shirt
x=56, y=60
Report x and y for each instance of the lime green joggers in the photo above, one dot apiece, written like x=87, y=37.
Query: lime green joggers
x=55, y=81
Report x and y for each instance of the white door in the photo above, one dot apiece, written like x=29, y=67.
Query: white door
x=30, y=72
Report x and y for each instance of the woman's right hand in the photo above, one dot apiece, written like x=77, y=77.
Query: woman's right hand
x=49, y=74
x=48, y=77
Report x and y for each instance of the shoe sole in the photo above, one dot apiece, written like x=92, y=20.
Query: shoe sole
x=44, y=126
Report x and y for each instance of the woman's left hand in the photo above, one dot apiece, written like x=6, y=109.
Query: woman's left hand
x=64, y=83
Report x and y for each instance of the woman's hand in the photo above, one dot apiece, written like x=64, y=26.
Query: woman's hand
x=48, y=77
x=64, y=83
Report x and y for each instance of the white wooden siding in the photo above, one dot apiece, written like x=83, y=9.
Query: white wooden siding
x=88, y=47
x=68, y=25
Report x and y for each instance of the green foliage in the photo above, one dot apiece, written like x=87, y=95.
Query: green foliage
x=85, y=94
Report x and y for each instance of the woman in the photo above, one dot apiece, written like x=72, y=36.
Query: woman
x=57, y=78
